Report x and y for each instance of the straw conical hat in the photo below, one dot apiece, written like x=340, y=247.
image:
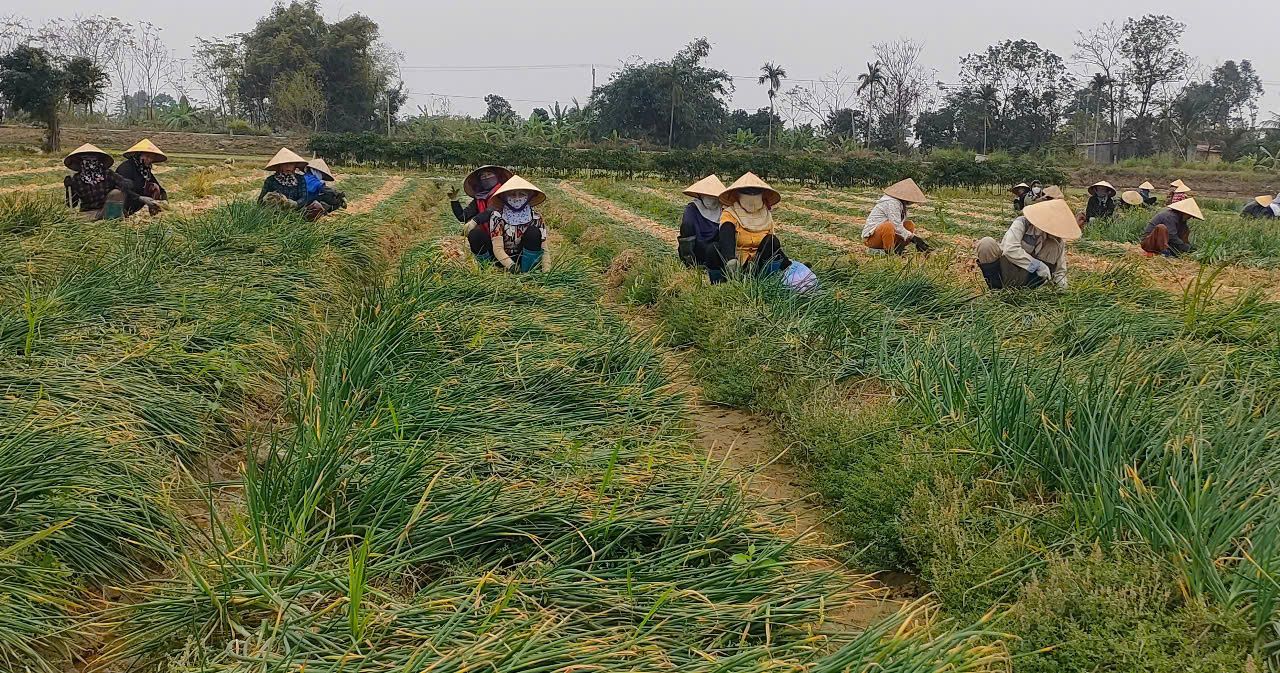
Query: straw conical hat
x=321, y=166
x=1178, y=183
x=1146, y=185
x=283, y=157
x=1132, y=198
x=72, y=160
x=1020, y=185
x=1182, y=189
x=471, y=183
x=1054, y=192
x=517, y=183
x=1053, y=217
x=906, y=190
x=708, y=186
x=145, y=145
x=1265, y=200
x=750, y=181
x=1189, y=207
x=1101, y=183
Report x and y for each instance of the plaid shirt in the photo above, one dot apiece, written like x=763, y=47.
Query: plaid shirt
x=86, y=197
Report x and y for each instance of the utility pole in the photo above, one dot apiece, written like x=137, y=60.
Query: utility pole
x=593, y=79
x=388, y=114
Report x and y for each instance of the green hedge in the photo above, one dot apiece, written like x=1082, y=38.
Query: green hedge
x=951, y=169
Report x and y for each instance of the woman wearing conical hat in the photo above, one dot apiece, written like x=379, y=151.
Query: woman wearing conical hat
x=479, y=184
x=317, y=177
x=1102, y=201
x=747, y=242
x=1178, y=190
x=1020, y=192
x=1145, y=189
x=700, y=224
x=889, y=227
x=1169, y=232
x=136, y=168
x=93, y=187
x=1033, y=250
x=1259, y=208
x=286, y=187
x=517, y=233
x=1130, y=199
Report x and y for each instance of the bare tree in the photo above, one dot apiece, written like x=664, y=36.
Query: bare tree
x=217, y=61
x=907, y=85
x=14, y=30
x=151, y=61
x=1153, y=59
x=1099, y=50
x=816, y=102
x=120, y=59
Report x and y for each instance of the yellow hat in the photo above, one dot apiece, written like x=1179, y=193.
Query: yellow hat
x=1054, y=192
x=517, y=183
x=1020, y=185
x=471, y=183
x=1146, y=185
x=1132, y=198
x=906, y=190
x=1265, y=200
x=1053, y=217
x=750, y=181
x=145, y=145
x=322, y=167
x=1189, y=207
x=72, y=160
x=708, y=186
x=1101, y=183
x=285, y=157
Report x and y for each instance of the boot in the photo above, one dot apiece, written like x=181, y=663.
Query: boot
x=991, y=273
x=529, y=259
x=900, y=248
x=716, y=276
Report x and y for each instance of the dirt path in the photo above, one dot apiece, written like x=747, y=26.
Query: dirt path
x=32, y=171
x=370, y=201
x=57, y=184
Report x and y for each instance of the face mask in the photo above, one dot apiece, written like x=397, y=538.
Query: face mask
x=710, y=202
x=488, y=181
x=517, y=201
x=751, y=202
x=1035, y=190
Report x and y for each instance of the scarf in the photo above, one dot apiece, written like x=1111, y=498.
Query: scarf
x=289, y=179
x=754, y=216
x=92, y=171
x=517, y=218
x=143, y=169
x=712, y=213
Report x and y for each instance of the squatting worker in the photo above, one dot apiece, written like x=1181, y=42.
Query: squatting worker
x=1102, y=203
x=136, y=168
x=1033, y=250
x=1130, y=199
x=1036, y=195
x=518, y=235
x=888, y=227
x=1020, y=192
x=1145, y=189
x=1178, y=190
x=746, y=242
x=93, y=187
x=285, y=187
x=479, y=184
x=700, y=225
x=1259, y=207
x=1169, y=233
x=318, y=176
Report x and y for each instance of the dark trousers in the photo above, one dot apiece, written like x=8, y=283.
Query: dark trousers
x=482, y=246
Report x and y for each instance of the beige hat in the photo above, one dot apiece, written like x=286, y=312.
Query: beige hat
x=750, y=181
x=285, y=157
x=1020, y=185
x=1101, y=183
x=1178, y=183
x=516, y=183
x=906, y=190
x=1132, y=198
x=145, y=145
x=323, y=168
x=1182, y=189
x=471, y=183
x=708, y=186
x=1146, y=185
x=1189, y=207
x=1053, y=217
x=72, y=160
x=1054, y=192
x=1265, y=200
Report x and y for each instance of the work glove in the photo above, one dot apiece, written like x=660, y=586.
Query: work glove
x=453, y=193
x=920, y=244
x=732, y=267
x=1040, y=269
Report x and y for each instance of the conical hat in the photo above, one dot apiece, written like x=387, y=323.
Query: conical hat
x=1189, y=207
x=1054, y=192
x=283, y=157
x=1101, y=183
x=1182, y=189
x=1020, y=185
x=708, y=186
x=906, y=190
x=750, y=181
x=72, y=160
x=1265, y=200
x=471, y=183
x=1178, y=183
x=1132, y=198
x=517, y=183
x=1053, y=217
x=321, y=166
x=1146, y=185
x=145, y=145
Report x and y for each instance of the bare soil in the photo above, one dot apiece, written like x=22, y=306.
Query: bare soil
x=116, y=140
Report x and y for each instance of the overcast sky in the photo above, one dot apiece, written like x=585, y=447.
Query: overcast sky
x=807, y=37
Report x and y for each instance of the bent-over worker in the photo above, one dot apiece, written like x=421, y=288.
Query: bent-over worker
x=1033, y=250
x=1169, y=233
x=136, y=168
x=888, y=227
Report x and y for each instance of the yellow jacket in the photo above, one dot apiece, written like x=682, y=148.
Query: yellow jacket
x=746, y=241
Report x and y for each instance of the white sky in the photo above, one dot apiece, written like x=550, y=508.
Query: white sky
x=807, y=37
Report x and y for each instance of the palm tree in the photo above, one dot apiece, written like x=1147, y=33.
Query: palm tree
x=869, y=81
x=772, y=74
x=989, y=96
x=1097, y=85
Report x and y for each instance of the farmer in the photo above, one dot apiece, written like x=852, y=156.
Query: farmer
x=1033, y=250
x=1145, y=189
x=1168, y=232
x=1260, y=207
x=136, y=168
x=746, y=242
x=1102, y=202
x=1178, y=190
x=317, y=177
x=518, y=235
x=1036, y=195
x=700, y=225
x=93, y=187
x=1020, y=192
x=286, y=187
x=887, y=227
x=1130, y=200
x=479, y=185
x=1053, y=192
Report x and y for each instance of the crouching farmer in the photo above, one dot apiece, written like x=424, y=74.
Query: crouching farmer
x=517, y=234
x=1169, y=233
x=700, y=226
x=888, y=226
x=1033, y=250
x=93, y=188
x=746, y=242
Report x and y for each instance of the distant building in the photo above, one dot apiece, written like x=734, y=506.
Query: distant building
x=1204, y=153
x=1101, y=152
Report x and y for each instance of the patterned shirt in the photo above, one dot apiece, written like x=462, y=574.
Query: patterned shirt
x=88, y=197
x=512, y=233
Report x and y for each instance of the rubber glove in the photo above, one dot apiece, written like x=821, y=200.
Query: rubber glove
x=453, y=193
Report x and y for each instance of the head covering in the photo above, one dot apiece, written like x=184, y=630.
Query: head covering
x=750, y=181
x=1020, y=185
x=1265, y=200
x=283, y=158
x=1177, y=183
x=1188, y=207
x=1053, y=217
x=517, y=183
x=1035, y=182
x=1054, y=192
x=906, y=190
x=72, y=160
x=1132, y=198
x=708, y=186
x=471, y=183
x=145, y=145
x=1146, y=185
x=322, y=168
x=1182, y=189
x=1093, y=189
